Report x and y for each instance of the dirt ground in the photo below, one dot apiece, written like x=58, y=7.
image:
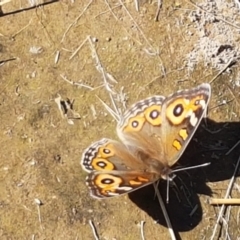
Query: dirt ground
x=45, y=49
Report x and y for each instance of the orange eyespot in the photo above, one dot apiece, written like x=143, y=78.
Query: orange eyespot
x=106, y=151
x=183, y=108
x=135, y=124
x=177, y=110
x=107, y=183
x=100, y=164
x=153, y=115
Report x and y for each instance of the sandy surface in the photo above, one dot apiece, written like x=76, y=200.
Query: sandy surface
x=41, y=150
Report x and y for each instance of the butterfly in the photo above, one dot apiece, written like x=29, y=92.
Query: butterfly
x=154, y=133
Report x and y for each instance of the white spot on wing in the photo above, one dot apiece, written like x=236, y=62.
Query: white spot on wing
x=202, y=103
x=125, y=188
x=193, y=120
x=113, y=194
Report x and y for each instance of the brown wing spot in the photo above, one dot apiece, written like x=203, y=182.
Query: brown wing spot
x=177, y=144
x=152, y=115
x=134, y=124
x=183, y=133
x=107, y=183
x=100, y=164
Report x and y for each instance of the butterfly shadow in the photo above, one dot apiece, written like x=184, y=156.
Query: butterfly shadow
x=210, y=144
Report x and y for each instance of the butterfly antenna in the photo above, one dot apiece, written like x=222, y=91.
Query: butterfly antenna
x=192, y=167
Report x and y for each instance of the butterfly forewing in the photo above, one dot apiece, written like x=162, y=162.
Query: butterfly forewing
x=182, y=114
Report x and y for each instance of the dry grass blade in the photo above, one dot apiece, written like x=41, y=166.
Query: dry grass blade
x=99, y=66
x=114, y=114
x=229, y=63
x=78, y=49
x=226, y=196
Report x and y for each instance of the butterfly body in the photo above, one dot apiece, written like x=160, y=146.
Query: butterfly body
x=154, y=133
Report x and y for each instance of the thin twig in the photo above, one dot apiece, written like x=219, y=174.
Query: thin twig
x=170, y=229
x=93, y=230
x=235, y=145
x=39, y=203
x=221, y=104
x=76, y=20
x=158, y=10
x=225, y=201
x=115, y=16
x=7, y=60
x=109, y=10
x=13, y=36
x=77, y=83
x=214, y=14
x=115, y=106
x=230, y=62
x=233, y=94
x=100, y=66
x=114, y=114
x=136, y=5
x=142, y=233
x=194, y=210
x=135, y=24
x=78, y=49
x=226, y=196
x=105, y=76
